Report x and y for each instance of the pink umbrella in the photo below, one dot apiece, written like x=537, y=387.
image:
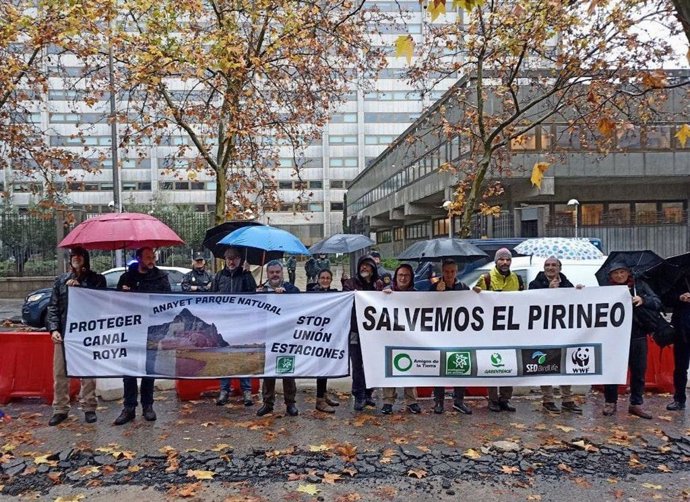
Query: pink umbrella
x=108, y=232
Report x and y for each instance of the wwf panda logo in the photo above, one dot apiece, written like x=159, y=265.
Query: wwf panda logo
x=581, y=357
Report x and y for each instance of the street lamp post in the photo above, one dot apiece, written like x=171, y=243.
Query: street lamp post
x=448, y=206
x=575, y=203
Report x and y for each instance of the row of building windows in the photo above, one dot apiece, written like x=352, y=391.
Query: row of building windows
x=619, y=213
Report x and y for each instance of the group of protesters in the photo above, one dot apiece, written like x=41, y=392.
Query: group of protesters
x=235, y=277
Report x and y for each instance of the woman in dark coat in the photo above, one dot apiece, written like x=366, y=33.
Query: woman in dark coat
x=324, y=402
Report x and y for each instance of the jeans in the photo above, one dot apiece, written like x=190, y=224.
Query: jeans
x=681, y=361
x=637, y=362
x=359, y=384
x=131, y=392
x=440, y=393
x=245, y=384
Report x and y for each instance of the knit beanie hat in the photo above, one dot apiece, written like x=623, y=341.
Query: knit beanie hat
x=503, y=253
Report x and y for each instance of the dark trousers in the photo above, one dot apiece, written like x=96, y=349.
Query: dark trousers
x=291, y=276
x=681, y=361
x=131, y=392
x=245, y=384
x=268, y=390
x=359, y=384
x=321, y=384
x=637, y=362
x=440, y=393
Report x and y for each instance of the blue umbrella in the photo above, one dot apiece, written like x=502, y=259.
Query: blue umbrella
x=270, y=240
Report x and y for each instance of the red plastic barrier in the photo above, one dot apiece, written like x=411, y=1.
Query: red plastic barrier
x=26, y=367
x=659, y=376
x=188, y=390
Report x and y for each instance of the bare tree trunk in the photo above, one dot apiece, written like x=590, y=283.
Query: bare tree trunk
x=683, y=15
x=471, y=200
x=221, y=193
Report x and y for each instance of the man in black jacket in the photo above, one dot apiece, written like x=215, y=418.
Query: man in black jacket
x=552, y=277
x=679, y=299
x=198, y=279
x=234, y=279
x=82, y=276
x=142, y=276
x=449, y=282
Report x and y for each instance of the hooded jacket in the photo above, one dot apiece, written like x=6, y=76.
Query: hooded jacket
x=395, y=274
x=153, y=281
x=236, y=281
x=542, y=282
x=56, y=316
x=357, y=283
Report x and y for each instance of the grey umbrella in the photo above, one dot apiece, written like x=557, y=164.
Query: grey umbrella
x=341, y=243
x=437, y=249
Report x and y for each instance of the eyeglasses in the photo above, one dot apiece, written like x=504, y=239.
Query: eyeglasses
x=232, y=258
x=404, y=275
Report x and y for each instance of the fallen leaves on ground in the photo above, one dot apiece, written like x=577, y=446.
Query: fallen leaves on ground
x=351, y=471
x=71, y=498
x=186, y=490
x=386, y=493
x=278, y=453
x=320, y=447
x=331, y=478
x=387, y=455
x=417, y=473
x=652, y=486
x=309, y=489
x=507, y=469
x=635, y=461
x=401, y=440
x=362, y=420
x=293, y=476
x=346, y=451
x=663, y=468
x=173, y=461
x=191, y=473
x=564, y=468
x=220, y=447
x=43, y=459
x=472, y=453
x=52, y=476
x=88, y=470
x=565, y=428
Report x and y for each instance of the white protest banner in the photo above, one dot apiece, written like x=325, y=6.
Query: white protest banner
x=113, y=333
x=463, y=338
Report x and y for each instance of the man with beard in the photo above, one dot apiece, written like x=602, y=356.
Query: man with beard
x=80, y=276
x=500, y=279
x=276, y=284
x=145, y=277
x=234, y=279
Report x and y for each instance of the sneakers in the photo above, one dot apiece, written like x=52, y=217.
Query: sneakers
x=610, y=409
x=291, y=410
x=322, y=405
x=264, y=410
x=90, y=417
x=247, y=398
x=552, y=408
x=149, y=414
x=127, y=415
x=414, y=408
x=58, y=418
x=462, y=407
x=387, y=409
x=223, y=398
x=676, y=406
x=636, y=409
x=506, y=406
x=438, y=407
x=572, y=408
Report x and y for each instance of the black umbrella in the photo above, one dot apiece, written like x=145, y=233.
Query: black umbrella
x=214, y=234
x=638, y=262
x=663, y=277
x=438, y=249
x=341, y=243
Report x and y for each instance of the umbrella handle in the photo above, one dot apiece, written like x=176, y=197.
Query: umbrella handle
x=261, y=275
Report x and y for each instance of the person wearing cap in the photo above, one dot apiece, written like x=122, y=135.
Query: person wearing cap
x=404, y=281
x=642, y=298
x=147, y=278
x=234, y=278
x=500, y=278
x=198, y=280
x=383, y=274
x=552, y=277
x=79, y=276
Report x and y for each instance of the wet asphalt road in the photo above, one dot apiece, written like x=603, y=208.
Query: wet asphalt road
x=526, y=455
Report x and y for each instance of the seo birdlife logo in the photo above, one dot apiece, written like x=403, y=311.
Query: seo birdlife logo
x=415, y=362
x=541, y=361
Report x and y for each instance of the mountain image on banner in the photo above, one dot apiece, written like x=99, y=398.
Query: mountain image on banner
x=188, y=346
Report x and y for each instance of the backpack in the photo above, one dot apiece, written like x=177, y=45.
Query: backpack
x=487, y=281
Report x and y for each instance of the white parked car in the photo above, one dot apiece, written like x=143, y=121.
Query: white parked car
x=175, y=275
